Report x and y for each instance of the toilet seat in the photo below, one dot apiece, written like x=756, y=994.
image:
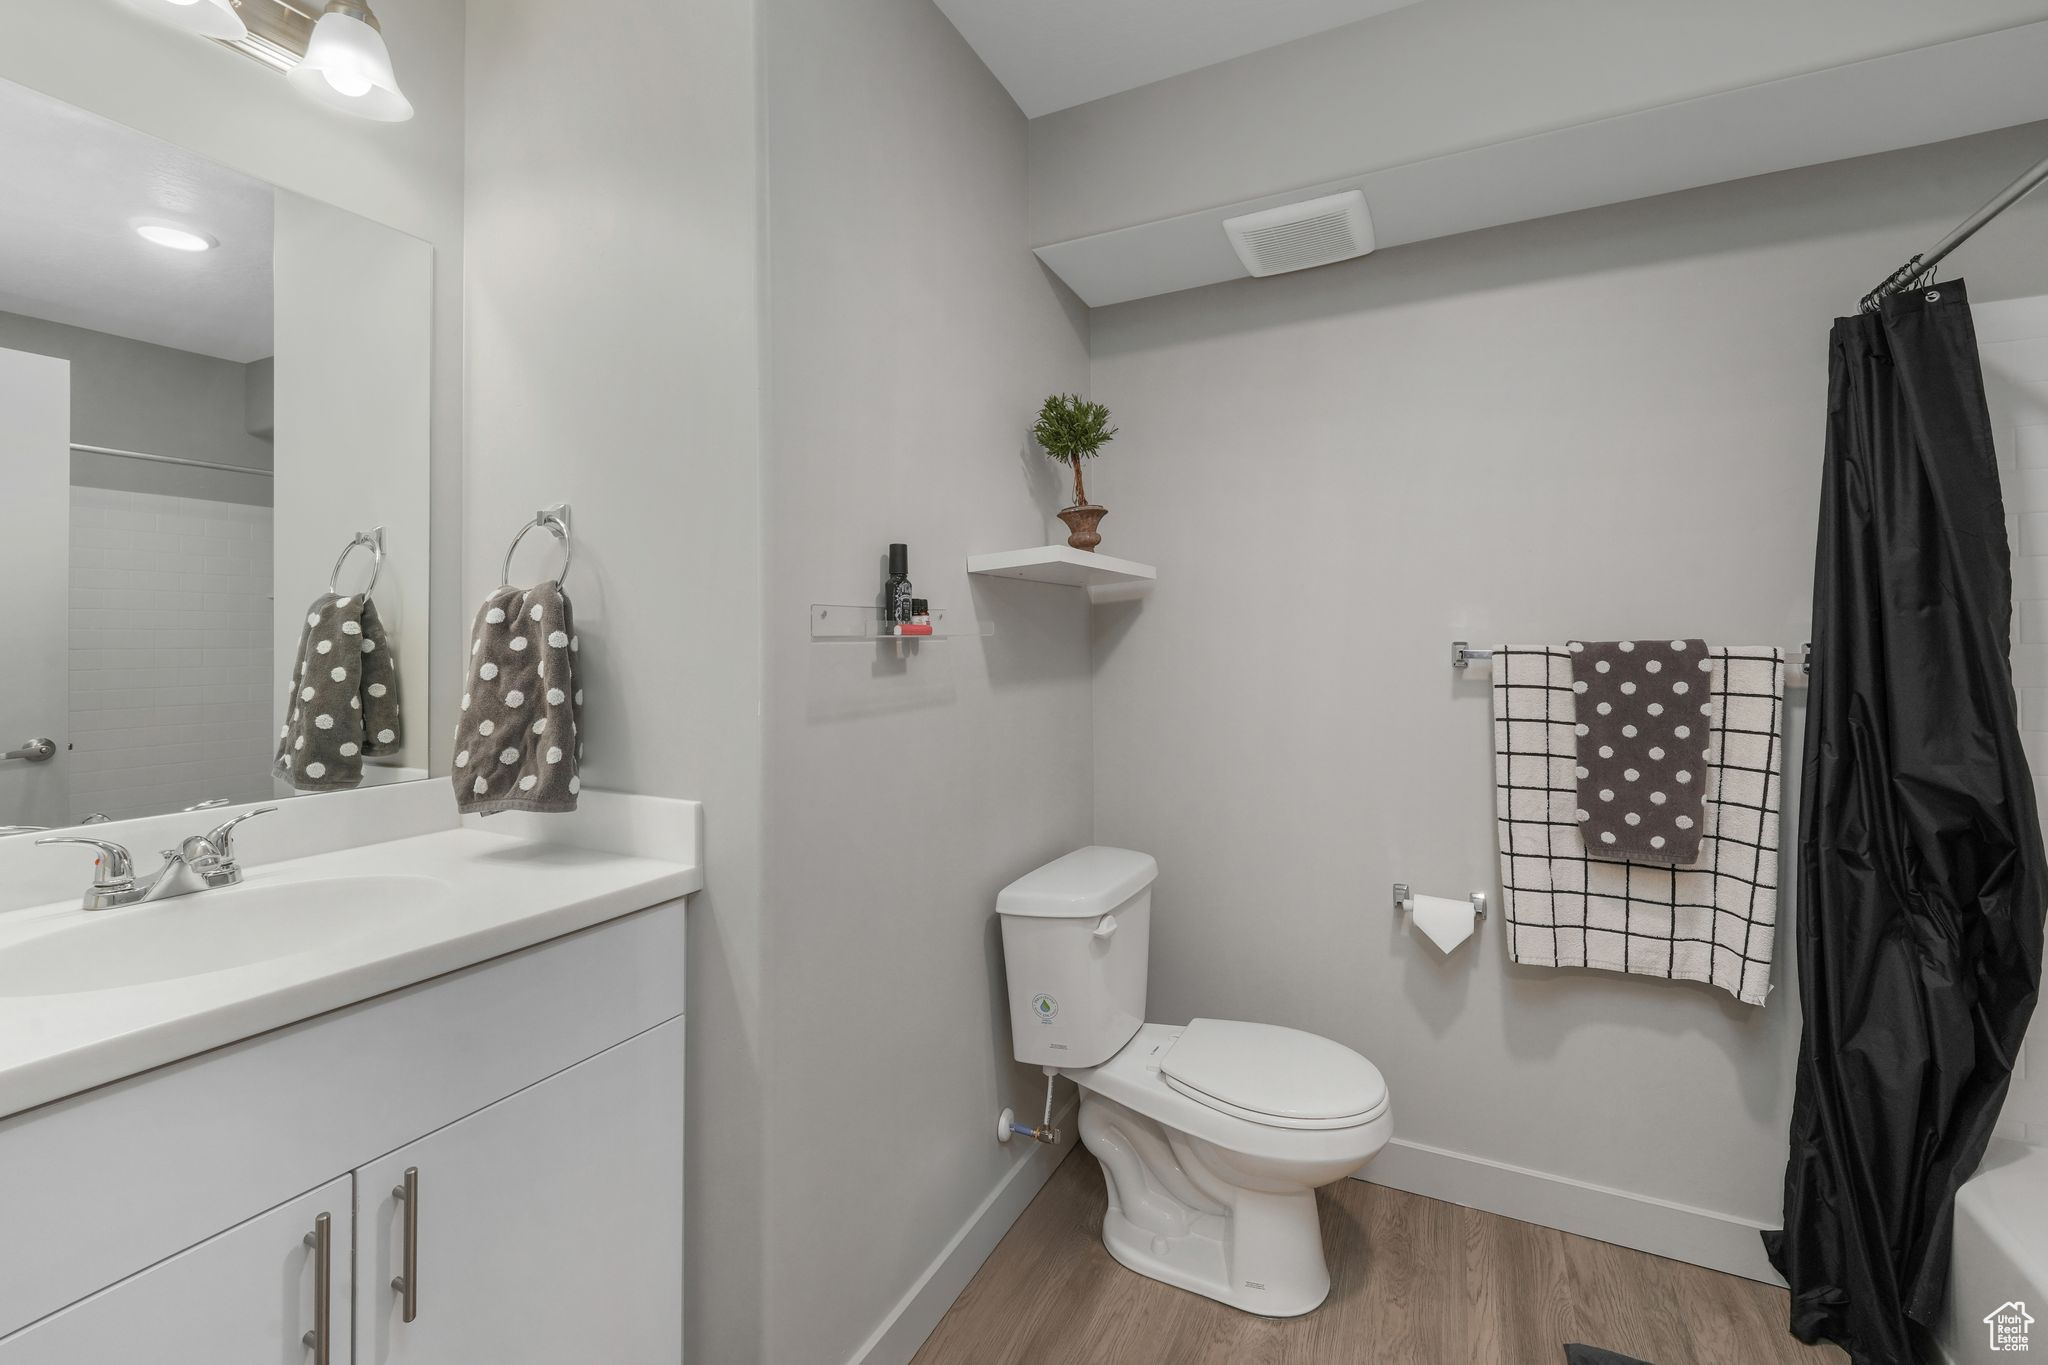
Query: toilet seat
x=1134, y=1078
x=1273, y=1076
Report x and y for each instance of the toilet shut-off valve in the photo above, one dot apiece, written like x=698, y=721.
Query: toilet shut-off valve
x=1008, y=1127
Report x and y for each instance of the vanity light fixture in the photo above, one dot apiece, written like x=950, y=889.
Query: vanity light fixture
x=348, y=67
x=176, y=238
x=207, y=18
x=333, y=52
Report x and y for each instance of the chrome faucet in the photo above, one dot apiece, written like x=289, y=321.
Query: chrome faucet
x=202, y=862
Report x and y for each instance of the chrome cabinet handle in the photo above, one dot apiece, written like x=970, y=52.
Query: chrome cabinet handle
x=34, y=751
x=320, y=1340
x=408, y=1284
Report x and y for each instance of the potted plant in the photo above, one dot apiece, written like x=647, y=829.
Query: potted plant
x=1071, y=429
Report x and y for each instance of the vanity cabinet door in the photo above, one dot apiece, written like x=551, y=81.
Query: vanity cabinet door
x=245, y=1297
x=550, y=1225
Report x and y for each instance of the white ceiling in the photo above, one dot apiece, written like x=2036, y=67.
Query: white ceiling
x=1970, y=85
x=1053, y=54
x=76, y=185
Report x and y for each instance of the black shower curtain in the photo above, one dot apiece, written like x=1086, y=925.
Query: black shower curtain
x=1920, y=860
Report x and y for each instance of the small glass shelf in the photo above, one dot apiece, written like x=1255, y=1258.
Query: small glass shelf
x=856, y=625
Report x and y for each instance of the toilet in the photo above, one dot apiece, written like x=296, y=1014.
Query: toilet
x=1213, y=1136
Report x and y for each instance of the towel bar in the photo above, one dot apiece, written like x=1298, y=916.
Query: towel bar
x=1463, y=655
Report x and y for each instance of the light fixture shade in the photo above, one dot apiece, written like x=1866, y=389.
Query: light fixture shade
x=348, y=67
x=207, y=18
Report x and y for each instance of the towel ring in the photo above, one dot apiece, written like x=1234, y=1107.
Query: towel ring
x=373, y=541
x=555, y=521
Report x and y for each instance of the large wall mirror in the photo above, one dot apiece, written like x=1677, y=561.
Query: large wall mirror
x=210, y=388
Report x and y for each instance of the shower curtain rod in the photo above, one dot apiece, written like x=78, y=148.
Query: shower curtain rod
x=171, y=459
x=1912, y=271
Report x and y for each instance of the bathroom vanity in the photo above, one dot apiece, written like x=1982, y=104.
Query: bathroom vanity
x=453, y=1133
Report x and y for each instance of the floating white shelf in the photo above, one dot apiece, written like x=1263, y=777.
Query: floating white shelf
x=1066, y=565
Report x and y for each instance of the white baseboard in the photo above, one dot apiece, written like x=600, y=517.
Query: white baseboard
x=919, y=1310
x=1718, y=1241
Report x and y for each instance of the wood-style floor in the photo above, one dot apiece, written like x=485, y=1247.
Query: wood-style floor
x=1417, y=1282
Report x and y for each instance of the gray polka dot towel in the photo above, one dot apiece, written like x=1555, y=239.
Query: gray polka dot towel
x=519, y=742
x=343, y=705
x=1713, y=919
x=1642, y=732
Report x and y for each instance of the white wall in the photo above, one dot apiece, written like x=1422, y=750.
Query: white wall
x=353, y=403
x=1427, y=80
x=104, y=56
x=613, y=363
x=2012, y=336
x=912, y=337
x=132, y=395
x=171, y=678
x=35, y=412
x=1602, y=424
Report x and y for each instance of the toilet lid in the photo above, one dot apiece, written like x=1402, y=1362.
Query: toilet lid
x=1280, y=1077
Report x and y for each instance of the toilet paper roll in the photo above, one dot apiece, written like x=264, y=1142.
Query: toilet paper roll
x=1446, y=922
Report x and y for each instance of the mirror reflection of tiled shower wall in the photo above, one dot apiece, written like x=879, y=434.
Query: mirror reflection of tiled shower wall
x=2013, y=338
x=170, y=651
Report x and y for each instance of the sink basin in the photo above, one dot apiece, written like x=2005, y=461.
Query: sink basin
x=211, y=931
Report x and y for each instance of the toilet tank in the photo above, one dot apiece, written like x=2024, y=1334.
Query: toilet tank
x=1076, y=933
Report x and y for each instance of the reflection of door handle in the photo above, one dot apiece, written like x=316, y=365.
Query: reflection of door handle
x=35, y=751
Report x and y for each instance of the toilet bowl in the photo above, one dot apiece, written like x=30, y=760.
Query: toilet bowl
x=1215, y=1192
x=1213, y=1136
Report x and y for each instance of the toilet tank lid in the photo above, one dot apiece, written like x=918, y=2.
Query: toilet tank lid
x=1085, y=883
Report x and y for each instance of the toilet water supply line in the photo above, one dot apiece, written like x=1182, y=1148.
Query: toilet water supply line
x=1008, y=1127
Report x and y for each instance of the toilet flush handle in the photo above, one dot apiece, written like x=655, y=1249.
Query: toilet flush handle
x=1105, y=926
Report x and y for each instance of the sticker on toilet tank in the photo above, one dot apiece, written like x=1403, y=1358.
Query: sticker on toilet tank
x=1045, y=1007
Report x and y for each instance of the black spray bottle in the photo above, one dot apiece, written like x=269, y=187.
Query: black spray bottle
x=896, y=591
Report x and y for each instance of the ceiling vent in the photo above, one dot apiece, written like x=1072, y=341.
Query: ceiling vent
x=1298, y=236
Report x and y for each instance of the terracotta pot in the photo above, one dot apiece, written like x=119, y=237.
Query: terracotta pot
x=1081, y=520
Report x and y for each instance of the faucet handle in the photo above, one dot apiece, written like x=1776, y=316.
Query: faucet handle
x=113, y=870
x=222, y=836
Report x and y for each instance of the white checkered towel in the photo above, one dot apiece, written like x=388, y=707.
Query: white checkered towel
x=1711, y=920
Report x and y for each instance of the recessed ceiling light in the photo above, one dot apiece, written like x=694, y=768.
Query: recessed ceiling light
x=176, y=238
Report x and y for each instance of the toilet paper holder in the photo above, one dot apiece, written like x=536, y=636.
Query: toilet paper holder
x=1404, y=896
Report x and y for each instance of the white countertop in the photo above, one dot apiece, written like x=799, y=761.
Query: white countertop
x=504, y=893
